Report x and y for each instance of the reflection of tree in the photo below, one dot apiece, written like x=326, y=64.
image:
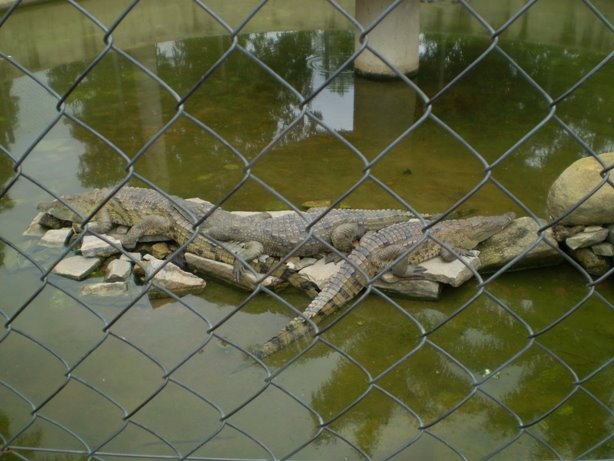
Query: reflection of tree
x=431, y=384
x=92, y=103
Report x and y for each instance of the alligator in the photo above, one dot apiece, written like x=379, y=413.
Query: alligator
x=374, y=253
x=288, y=234
x=150, y=213
x=146, y=212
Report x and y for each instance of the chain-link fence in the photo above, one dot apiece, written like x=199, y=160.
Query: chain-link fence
x=514, y=365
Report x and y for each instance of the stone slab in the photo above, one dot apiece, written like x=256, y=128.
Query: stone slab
x=56, y=237
x=413, y=288
x=506, y=245
x=92, y=246
x=453, y=273
x=76, y=267
x=105, y=289
x=172, y=278
x=35, y=228
x=224, y=272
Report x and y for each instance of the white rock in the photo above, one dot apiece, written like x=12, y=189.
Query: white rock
x=297, y=264
x=76, y=267
x=172, y=277
x=603, y=249
x=92, y=246
x=118, y=270
x=587, y=239
x=56, y=237
x=453, y=273
x=105, y=289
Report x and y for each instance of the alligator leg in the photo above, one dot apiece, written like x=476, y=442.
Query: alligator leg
x=250, y=251
x=448, y=256
x=402, y=268
x=150, y=225
x=101, y=224
x=343, y=238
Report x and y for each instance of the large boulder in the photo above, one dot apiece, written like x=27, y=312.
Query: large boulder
x=578, y=180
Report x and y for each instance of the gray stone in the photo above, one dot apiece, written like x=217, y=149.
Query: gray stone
x=593, y=228
x=118, y=270
x=105, y=289
x=172, y=278
x=504, y=246
x=603, y=249
x=453, y=273
x=35, y=228
x=92, y=246
x=412, y=288
x=76, y=267
x=587, y=238
x=594, y=265
x=575, y=183
x=224, y=272
x=56, y=237
x=297, y=264
x=130, y=256
x=321, y=272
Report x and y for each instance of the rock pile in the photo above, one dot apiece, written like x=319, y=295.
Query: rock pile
x=583, y=197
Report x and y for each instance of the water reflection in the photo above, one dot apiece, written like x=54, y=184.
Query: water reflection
x=492, y=107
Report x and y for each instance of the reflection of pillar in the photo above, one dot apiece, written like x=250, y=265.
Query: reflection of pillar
x=395, y=38
x=383, y=110
x=154, y=163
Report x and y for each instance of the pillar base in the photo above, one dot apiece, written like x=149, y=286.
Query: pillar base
x=396, y=38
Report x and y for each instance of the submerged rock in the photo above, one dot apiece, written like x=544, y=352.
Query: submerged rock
x=76, y=267
x=504, y=246
x=574, y=184
x=105, y=289
x=36, y=228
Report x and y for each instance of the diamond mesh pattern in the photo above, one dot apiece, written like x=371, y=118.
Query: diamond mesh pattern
x=420, y=396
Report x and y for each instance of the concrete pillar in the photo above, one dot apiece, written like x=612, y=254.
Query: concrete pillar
x=395, y=38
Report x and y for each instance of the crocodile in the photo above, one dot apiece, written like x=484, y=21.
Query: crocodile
x=146, y=212
x=150, y=213
x=288, y=234
x=374, y=254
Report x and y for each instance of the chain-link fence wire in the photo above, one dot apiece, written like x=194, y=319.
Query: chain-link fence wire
x=11, y=447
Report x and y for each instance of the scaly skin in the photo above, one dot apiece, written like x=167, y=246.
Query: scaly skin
x=146, y=211
x=375, y=251
x=286, y=234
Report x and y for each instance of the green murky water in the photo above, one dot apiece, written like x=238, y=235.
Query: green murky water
x=145, y=350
